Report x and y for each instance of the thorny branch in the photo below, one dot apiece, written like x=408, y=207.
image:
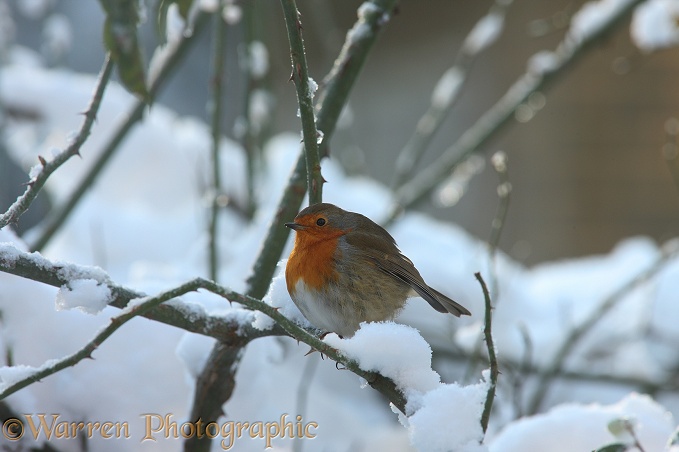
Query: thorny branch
x=300, y=76
x=35, y=267
x=36, y=183
x=56, y=219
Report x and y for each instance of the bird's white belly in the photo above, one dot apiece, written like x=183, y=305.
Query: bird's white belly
x=321, y=313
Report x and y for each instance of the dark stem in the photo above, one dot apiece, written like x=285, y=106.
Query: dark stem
x=300, y=76
x=215, y=110
x=494, y=371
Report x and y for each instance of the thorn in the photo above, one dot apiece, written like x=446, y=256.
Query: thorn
x=89, y=114
x=311, y=350
x=42, y=160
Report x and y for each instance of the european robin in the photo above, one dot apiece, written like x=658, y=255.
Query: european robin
x=345, y=269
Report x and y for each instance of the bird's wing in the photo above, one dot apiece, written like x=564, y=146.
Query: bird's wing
x=390, y=260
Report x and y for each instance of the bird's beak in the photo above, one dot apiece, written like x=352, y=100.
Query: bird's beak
x=294, y=226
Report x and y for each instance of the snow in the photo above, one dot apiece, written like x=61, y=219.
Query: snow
x=447, y=87
x=592, y=15
x=261, y=103
x=34, y=9
x=454, y=187
x=313, y=87
x=148, y=234
x=232, y=13
x=209, y=6
x=259, y=59
x=361, y=30
x=193, y=351
x=572, y=427
x=431, y=427
x=174, y=24
x=543, y=62
x=57, y=35
x=87, y=295
x=485, y=32
x=14, y=374
x=395, y=351
x=655, y=24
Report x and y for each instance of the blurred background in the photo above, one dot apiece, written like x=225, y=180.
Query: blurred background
x=586, y=160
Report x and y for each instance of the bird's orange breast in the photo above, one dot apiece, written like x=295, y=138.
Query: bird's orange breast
x=312, y=260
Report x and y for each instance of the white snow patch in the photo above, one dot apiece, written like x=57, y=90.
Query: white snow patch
x=447, y=87
x=655, y=24
x=448, y=419
x=395, y=351
x=485, y=32
x=86, y=295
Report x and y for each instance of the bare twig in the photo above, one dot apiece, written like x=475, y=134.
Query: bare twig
x=36, y=183
x=499, y=162
x=216, y=381
x=494, y=372
x=57, y=218
x=504, y=190
x=215, y=108
x=543, y=70
x=300, y=76
x=669, y=251
x=248, y=139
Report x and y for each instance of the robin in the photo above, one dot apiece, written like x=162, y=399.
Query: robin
x=345, y=269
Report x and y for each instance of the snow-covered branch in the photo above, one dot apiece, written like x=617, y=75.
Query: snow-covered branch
x=35, y=267
x=448, y=88
x=18, y=377
x=181, y=315
x=543, y=69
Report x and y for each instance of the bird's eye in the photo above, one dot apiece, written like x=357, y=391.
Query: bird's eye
x=320, y=222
